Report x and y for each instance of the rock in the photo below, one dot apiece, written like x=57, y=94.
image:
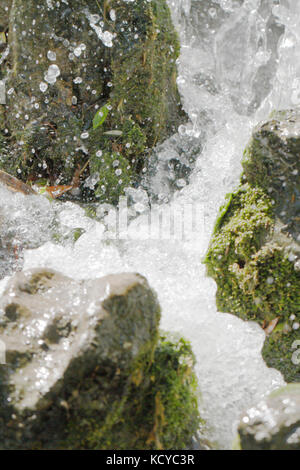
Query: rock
x=274, y=424
x=72, y=60
x=254, y=254
x=85, y=369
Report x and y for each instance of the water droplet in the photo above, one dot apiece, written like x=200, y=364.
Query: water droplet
x=77, y=80
x=51, y=55
x=52, y=74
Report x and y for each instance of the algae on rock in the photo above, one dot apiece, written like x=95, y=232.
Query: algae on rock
x=84, y=368
x=254, y=254
x=68, y=60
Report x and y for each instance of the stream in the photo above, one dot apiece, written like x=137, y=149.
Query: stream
x=239, y=61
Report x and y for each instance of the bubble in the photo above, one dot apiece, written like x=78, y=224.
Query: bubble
x=77, y=80
x=78, y=50
x=51, y=55
x=52, y=74
x=112, y=15
x=182, y=130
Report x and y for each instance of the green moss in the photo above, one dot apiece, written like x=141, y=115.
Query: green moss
x=136, y=77
x=147, y=74
x=236, y=445
x=120, y=160
x=37, y=282
x=255, y=277
x=278, y=352
x=158, y=410
x=4, y=14
x=254, y=243
x=145, y=104
x=234, y=259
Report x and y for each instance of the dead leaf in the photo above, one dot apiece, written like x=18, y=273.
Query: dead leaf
x=57, y=191
x=14, y=184
x=271, y=326
x=78, y=173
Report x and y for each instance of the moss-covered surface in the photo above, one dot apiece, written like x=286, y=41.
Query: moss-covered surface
x=158, y=411
x=279, y=349
x=127, y=63
x=96, y=374
x=254, y=250
x=255, y=277
x=4, y=14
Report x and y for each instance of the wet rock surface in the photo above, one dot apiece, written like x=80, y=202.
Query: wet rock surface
x=274, y=424
x=254, y=255
x=69, y=61
x=77, y=358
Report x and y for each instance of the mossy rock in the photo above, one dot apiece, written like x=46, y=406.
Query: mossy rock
x=282, y=347
x=160, y=410
x=85, y=368
x=254, y=254
x=67, y=62
x=274, y=423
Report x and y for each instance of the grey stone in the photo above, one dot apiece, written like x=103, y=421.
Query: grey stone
x=70, y=348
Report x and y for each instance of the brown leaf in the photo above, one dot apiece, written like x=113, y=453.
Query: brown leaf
x=271, y=326
x=14, y=184
x=57, y=191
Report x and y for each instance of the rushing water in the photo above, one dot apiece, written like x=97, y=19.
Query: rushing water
x=239, y=61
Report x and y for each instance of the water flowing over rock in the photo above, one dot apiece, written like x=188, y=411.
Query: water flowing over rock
x=84, y=369
x=91, y=87
x=254, y=255
x=274, y=424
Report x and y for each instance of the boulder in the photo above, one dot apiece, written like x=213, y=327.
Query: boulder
x=91, y=88
x=85, y=370
x=274, y=424
x=254, y=254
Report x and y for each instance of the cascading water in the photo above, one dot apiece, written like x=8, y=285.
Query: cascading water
x=239, y=61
